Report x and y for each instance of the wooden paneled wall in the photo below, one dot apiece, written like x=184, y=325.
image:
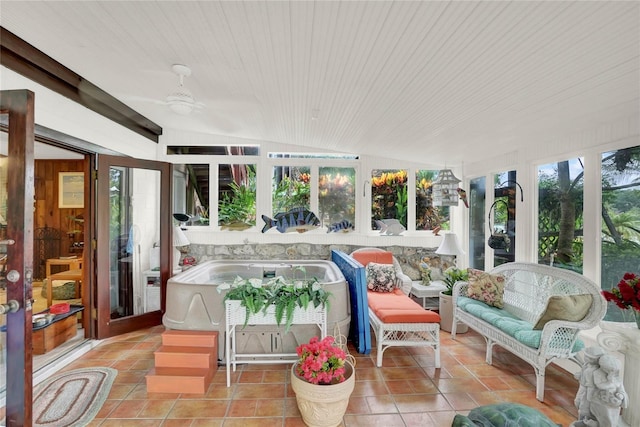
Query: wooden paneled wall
x=47, y=213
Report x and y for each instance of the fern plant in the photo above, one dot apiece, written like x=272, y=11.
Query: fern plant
x=285, y=295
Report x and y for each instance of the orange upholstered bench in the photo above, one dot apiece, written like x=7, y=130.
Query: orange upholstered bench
x=396, y=319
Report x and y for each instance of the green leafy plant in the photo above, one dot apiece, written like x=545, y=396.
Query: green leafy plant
x=285, y=295
x=290, y=192
x=240, y=206
x=401, y=206
x=453, y=275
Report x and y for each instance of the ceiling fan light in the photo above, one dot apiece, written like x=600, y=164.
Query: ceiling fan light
x=181, y=101
x=182, y=108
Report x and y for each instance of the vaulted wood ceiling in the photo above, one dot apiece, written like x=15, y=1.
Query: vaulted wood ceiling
x=447, y=81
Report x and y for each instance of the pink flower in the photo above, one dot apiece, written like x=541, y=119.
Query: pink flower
x=320, y=362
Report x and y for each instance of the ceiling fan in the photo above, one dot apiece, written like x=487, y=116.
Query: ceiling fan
x=181, y=101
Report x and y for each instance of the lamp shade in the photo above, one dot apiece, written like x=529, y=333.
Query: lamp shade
x=444, y=189
x=179, y=238
x=449, y=245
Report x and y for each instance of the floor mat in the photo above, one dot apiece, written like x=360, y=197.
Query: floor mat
x=71, y=398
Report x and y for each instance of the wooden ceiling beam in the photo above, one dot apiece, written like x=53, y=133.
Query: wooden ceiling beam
x=21, y=57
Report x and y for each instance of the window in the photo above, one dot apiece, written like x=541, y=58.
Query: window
x=477, y=224
x=336, y=195
x=214, y=150
x=193, y=195
x=291, y=188
x=237, y=196
x=503, y=215
x=428, y=217
x=388, y=196
x=620, y=241
x=560, y=214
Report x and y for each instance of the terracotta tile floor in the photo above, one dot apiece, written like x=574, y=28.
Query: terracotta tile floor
x=406, y=391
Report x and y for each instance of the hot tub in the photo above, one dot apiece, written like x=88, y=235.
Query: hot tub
x=194, y=303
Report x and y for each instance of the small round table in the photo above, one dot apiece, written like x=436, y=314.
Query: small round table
x=432, y=292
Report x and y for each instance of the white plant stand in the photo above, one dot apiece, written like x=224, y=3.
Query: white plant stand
x=235, y=315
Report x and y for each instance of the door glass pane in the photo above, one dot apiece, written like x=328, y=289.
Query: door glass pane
x=134, y=234
x=620, y=222
x=477, y=224
x=560, y=214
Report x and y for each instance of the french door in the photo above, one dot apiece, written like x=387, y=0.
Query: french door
x=16, y=249
x=133, y=234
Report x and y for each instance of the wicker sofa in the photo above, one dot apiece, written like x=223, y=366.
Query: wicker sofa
x=397, y=320
x=544, y=310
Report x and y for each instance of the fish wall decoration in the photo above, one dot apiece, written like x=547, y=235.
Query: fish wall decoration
x=344, y=226
x=390, y=227
x=296, y=219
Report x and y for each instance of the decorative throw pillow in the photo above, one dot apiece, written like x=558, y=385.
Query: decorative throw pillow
x=486, y=287
x=381, y=277
x=572, y=308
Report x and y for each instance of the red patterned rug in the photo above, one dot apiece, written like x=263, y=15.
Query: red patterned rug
x=71, y=398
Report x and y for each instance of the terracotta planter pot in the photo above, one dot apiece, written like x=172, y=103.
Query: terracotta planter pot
x=446, y=315
x=323, y=405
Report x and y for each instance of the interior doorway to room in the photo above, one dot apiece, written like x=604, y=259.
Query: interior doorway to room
x=60, y=233
x=65, y=265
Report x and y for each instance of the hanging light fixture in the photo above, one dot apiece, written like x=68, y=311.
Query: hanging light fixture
x=445, y=189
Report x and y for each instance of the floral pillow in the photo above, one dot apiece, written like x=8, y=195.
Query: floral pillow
x=381, y=277
x=486, y=287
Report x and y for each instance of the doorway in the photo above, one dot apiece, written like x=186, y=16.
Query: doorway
x=129, y=212
x=59, y=241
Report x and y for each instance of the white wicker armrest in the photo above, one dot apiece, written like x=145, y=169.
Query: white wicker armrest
x=459, y=289
x=405, y=282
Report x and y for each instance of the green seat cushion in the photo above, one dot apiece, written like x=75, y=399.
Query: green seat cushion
x=532, y=339
x=462, y=302
x=483, y=311
x=512, y=326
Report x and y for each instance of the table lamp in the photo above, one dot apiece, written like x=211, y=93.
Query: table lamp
x=450, y=246
x=179, y=240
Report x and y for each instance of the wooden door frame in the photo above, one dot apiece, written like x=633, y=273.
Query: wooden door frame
x=105, y=326
x=19, y=105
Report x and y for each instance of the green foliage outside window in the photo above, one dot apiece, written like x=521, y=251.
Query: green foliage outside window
x=428, y=217
x=389, y=195
x=291, y=188
x=620, y=247
x=336, y=195
x=237, y=210
x=560, y=214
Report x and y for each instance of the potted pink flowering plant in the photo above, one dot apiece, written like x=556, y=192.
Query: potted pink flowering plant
x=323, y=379
x=320, y=362
x=627, y=295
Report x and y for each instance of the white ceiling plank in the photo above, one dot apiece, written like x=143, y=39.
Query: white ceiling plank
x=419, y=76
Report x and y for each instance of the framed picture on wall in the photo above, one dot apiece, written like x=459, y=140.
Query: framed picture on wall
x=71, y=190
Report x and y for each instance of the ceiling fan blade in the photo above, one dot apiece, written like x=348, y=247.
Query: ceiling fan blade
x=134, y=98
